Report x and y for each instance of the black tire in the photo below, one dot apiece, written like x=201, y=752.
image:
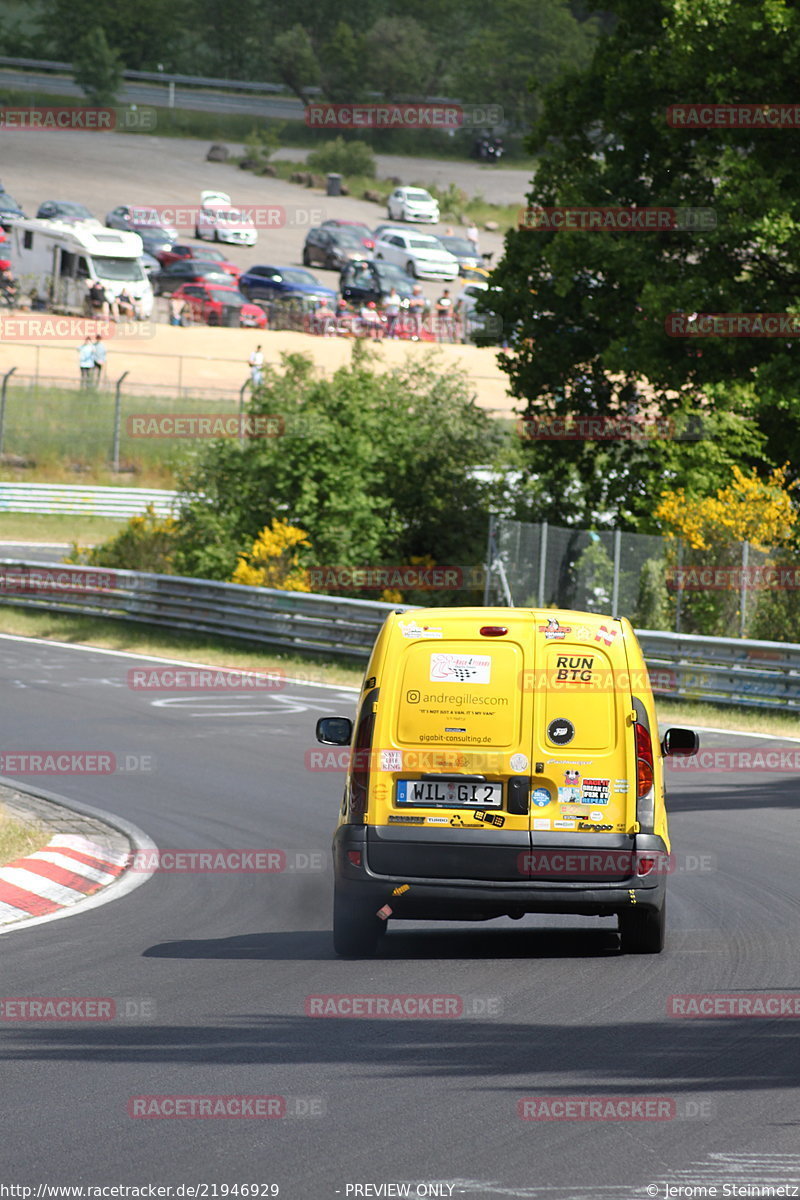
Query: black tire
x=411, y=270
x=356, y=929
x=642, y=930
x=197, y=234
x=216, y=235
x=306, y=258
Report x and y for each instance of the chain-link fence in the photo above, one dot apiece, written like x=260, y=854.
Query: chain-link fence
x=728, y=590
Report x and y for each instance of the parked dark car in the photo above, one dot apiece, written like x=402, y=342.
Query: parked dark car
x=463, y=249
x=64, y=210
x=137, y=219
x=270, y=283
x=332, y=248
x=361, y=282
x=358, y=227
x=169, y=278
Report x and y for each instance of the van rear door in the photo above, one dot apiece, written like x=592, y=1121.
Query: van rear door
x=583, y=782
x=449, y=796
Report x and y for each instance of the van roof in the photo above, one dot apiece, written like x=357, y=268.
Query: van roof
x=94, y=239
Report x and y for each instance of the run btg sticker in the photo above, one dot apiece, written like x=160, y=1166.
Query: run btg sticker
x=561, y=731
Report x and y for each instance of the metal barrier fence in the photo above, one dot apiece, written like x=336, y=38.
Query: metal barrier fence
x=655, y=581
x=293, y=620
x=86, y=501
x=724, y=671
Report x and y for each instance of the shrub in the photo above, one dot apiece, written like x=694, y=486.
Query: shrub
x=343, y=157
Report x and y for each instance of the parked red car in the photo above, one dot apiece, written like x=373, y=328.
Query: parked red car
x=219, y=304
x=180, y=252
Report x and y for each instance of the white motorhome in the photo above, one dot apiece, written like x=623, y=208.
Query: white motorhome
x=60, y=260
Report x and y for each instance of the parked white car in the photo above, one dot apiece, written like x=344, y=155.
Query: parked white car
x=412, y=204
x=218, y=220
x=420, y=255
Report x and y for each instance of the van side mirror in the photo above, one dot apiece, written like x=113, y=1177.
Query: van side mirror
x=680, y=743
x=335, y=731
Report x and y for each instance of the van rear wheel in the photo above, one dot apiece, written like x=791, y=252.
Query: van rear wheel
x=641, y=930
x=356, y=928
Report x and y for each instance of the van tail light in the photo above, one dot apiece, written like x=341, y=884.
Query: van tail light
x=354, y=857
x=644, y=761
x=362, y=752
x=645, y=866
x=494, y=630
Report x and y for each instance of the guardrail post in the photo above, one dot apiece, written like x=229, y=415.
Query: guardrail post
x=117, y=419
x=615, y=585
x=242, y=391
x=542, y=560
x=679, y=595
x=490, y=556
x=6, y=378
x=743, y=589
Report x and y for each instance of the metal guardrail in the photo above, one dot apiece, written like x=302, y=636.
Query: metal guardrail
x=86, y=501
x=753, y=674
x=724, y=670
x=292, y=620
x=156, y=76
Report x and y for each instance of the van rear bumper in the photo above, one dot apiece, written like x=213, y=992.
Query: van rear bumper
x=453, y=898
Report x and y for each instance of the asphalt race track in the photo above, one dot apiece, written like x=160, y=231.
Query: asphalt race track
x=226, y=961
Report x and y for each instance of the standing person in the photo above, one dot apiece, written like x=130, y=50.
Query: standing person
x=176, y=309
x=99, y=357
x=86, y=362
x=444, y=314
x=256, y=367
x=391, y=308
x=472, y=236
x=417, y=308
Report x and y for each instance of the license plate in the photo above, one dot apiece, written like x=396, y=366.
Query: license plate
x=449, y=793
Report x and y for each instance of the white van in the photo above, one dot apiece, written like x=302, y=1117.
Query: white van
x=60, y=260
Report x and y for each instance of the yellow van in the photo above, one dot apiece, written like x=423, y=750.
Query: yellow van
x=503, y=761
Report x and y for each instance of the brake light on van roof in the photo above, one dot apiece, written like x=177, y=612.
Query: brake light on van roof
x=493, y=630
x=644, y=761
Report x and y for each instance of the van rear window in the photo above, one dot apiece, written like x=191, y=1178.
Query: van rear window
x=455, y=693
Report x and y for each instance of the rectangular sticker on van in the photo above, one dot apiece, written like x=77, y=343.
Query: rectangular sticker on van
x=461, y=668
x=595, y=791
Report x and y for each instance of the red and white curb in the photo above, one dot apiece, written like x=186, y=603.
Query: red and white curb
x=67, y=870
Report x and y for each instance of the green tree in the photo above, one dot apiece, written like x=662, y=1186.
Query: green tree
x=97, y=68
x=399, y=57
x=587, y=310
x=296, y=61
x=525, y=45
x=376, y=467
x=341, y=60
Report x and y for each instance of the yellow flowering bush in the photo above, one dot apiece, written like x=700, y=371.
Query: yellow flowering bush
x=748, y=509
x=274, y=559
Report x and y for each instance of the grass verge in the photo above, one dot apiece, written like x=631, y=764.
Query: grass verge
x=699, y=715
x=62, y=527
x=18, y=838
x=212, y=651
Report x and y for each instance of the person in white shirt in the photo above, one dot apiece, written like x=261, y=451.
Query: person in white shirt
x=257, y=367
